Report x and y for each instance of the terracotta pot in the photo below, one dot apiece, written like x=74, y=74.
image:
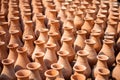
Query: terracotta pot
x=107, y=49
x=34, y=68
x=3, y=37
x=12, y=51
x=23, y=74
x=14, y=38
x=102, y=62
x=8, y=72
x=28, y=29
x=78, y=77
x=103, y=74
x=39, y=47
x=70, y=13
x=66, y=65
x=67, y=46
x=92, y=57
x=79, y=41
x=43, y=35
x=29, y=44
x=51, y=74
x=50, y=55
x=26, y=17
x=39, y=58
x=79, y=69
x=22, y=59
x=59, y=68
x=82, y=60
x=116, y=70
x=118, y=44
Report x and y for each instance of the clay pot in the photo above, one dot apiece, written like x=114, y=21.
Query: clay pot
x=79, y=41
x=50, y=55
x=67, y=46
x=107, y=49
x=67, y=69
x=22, y=74
x=51, y=74
x=26, y=17
x=28, y=43
x=22, y=59
x=102, y=62
x=78, y=77
x=43, y=35
x=34, y=68
x=39, y=58
x=116, y=70
x=12, y=51
x=40, y=23
x=8, y=72
x=39, y=47
x=79, y=69
x=3, y=37
x=118, y=44
x=14, y=38
x=118, y=56
x=103, y=74
x=28, y=29
x=82, y=60
x=70, y=13
x=59, y=68
x=92, y=57
x=96, y=37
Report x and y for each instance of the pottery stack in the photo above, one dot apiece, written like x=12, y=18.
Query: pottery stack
x=59, y=40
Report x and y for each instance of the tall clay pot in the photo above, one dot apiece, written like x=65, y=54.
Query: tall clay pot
x=78, y=77
x=92, y=57
x=23, y=74
x=39, y=58
x=82, y=60
x=103, y=74
x=51, y=74
x=39, y=47
x=50, y=55
x=67, y=45
x=22, y=59
x=79, y=43
x=8, y=72
x=107, y=49
x=12, y=52
x=34, y=68
x=59, y=68
x=29, y=44
x=67, y=69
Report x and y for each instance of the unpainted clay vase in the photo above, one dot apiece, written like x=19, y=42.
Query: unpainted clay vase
x=34, y=68
x=8, y=72
x=67, y=46
x=3, y=37
x=50, y=55
x=78, y=77
x=63, y=59
x=22, y=59
x=51, y=74
x=39, y=58
x=23, y=74
x=82, y=60
x=59, y=68
x=39, y=47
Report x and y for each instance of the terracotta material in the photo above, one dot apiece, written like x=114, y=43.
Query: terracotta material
x=82, y=60
x=78, y=77
x=67, y=46
x=51, y=74
x=12, y=52
x=22, y=59
x=79, y=43
x=34, y=68
x=3, y=37
x=8, y=72
x=50, y=55
x=22, y=74
x=59, y=68
x=39, y=58
x=79, y=69
x=63, y=59
x=107, y=49
x=29, y=44
x=39, y=47
x=92, y=57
